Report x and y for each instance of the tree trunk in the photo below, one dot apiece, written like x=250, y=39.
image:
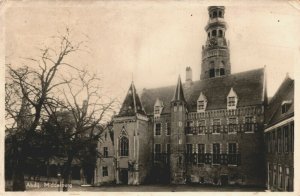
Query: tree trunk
x=67, y=172
x=18, y=164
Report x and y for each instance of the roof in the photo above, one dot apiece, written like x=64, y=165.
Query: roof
x=132, y=103
x=247, y=85
x=178, y=94
x=284, y=93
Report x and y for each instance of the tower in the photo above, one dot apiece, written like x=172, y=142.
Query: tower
x=178, y=140
x=215, y=52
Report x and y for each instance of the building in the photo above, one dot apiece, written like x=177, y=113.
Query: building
x=204, y=131
x=279, y=137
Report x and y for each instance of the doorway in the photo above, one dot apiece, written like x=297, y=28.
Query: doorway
x=123, y=176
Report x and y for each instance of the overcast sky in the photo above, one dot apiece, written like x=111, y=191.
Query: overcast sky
x=155, y=41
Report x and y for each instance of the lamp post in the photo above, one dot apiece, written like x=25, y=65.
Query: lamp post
x=58, y=180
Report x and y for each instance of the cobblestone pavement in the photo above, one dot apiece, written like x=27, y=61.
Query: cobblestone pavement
x=150, y=188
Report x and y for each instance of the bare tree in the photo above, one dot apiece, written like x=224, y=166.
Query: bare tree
x=32, y=86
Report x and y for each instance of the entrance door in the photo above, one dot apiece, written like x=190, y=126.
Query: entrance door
x=224, y=180
x=123, y=176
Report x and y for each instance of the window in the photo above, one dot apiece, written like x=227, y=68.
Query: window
x=201, y=126
x=157, y=128
x=105, y=152
x=124, y=146
x=232, y=153
x=215, y=15
x=216, y=126
x=292, y=137
x=212, y=73
x=274, y=175
x=280, y=177
x=201, y=153
x=220, y=33
x=220, y=14
x=208, y=34
x=287, y=185
x=168, y=128
x=285, y=106
x=216, y=153
x=214, y=33
x=200, y=105
x=232, y=125
x=249, y=124
x=168, y=149
x=231, y=101
x=157, y=148
x=286, y=140
x=104, y=171
x=273, y=142
x=279, y=140
x=222, y=72
x=189, y=148
x=217, y=72
x=156, y=110
x=188, y=128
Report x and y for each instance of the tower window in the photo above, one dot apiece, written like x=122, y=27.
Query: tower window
x=208, y=34
x=214, y=33
x=222, y=72
x=157, y=128
x=217, y=72
x=220, y=14
x=220, y=33
x=215, y=14
x=124, y=144
x=212, y=73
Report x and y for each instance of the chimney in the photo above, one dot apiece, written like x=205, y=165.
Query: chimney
x=189, y=74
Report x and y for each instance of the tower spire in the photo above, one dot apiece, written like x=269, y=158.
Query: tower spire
x=215, y=52
x=178, y=94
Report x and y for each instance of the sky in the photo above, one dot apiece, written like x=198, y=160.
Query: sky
x=152, y=42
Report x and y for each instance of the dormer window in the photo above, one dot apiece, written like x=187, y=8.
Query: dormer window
x=201, y=103
x=285, y=106
x=232, y=100
x=158, y=107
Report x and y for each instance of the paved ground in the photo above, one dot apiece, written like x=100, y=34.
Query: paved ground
x=151, y=188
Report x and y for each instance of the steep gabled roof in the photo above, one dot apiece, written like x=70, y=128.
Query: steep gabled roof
x=284, y=93
x=247, y=85
x=132, y=104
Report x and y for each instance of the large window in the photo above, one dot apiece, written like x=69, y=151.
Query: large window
x=232, y=125
x=105, y=152
x=249, y=124
x=286, y=138
x=216, y=126
x=232, y=153
x=104, y=171
x=157, y=129
x=216, y=153
x=124, y=144
x=168, y=128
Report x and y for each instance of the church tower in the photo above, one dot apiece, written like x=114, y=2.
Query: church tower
x=178, y=140
x=215, y=53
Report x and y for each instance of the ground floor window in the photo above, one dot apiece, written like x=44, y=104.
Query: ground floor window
x=104, y=171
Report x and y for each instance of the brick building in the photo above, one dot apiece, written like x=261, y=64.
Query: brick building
x=205, y=131
x=279, y=137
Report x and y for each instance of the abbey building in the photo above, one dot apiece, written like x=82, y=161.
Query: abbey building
x=208, y=131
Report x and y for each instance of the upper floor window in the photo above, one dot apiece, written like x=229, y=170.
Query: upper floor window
x=157, y=128
x=189, y=148
x=105, y=152
x=157, y=148
x=232, y=148
x=168, y=148
x=168, y=128
x=214, y=33
x=200, y=105
x=104, y=171
x=215, y=14
x=156, y=110
x=285, y=106
x=220, y=33
x=216, y=126
x=249, y=124
x=232, y=125
x=201, y=148
x=124, y=144
x=231, y=101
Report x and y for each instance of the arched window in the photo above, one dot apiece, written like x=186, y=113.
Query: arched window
x=220, y=33
x=124, y=146
x=208, y=34
x=220, y=14
x=222, y=71
x=214, y=33
x=212, y=73
x=215, y=14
